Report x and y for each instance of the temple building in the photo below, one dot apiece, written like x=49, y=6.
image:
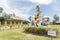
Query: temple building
x=10, y=19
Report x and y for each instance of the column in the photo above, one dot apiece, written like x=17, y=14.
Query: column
x=18, y=24
x=14, y=24
x=0, y=24
x=10, y=24
x=5, y=24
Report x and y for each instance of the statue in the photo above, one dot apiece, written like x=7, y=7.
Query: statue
x=37, y=19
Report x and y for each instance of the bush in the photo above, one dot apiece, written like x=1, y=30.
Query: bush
x=30, y=29
x=36, y=30
x=42, y=31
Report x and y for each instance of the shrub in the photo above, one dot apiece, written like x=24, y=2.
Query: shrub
x=42, y=31
x=30, y=29
x=36, y=30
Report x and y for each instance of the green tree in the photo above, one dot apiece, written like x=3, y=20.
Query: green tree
x=1, y=9
x=13, y=14
x=56, y=17
x=5, y=15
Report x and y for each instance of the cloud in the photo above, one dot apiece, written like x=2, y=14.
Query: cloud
x=4, y=5
x=56, y=6
x=42, y=1
x=21, y=12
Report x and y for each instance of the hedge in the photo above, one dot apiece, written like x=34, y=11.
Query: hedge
x=36, y=30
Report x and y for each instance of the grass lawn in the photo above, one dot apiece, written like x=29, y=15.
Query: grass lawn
x=18, y=34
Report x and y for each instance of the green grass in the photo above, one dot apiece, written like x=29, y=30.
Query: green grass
x=18, y=34
x=58, y=28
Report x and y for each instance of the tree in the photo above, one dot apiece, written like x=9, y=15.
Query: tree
x=5, y=15
x=48, y=19
x=1, y=9
x=13, y=14
x=56, y=17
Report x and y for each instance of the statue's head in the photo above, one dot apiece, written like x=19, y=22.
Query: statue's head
x=37, y=8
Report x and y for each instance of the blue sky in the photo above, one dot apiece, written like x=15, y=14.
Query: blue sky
x=26, y=8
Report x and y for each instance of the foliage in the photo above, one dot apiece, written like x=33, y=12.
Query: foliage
x=1, y=9
x=36, y=30
x=48, y=19
x=5, y=15
x=1, y=18
x=25, y=22
x=56, y=17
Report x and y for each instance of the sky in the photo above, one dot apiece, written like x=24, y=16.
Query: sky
x=26, y=8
